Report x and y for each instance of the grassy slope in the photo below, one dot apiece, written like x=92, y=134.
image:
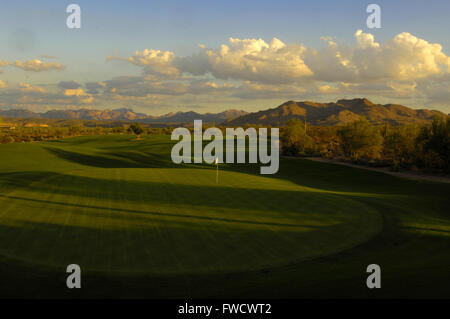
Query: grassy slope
x=141, y=226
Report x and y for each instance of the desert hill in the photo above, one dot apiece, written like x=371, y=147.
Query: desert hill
x=336, y=113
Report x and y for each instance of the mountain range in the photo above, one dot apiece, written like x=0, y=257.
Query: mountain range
x=125, y=114
x=336, y=113
x=324, y=114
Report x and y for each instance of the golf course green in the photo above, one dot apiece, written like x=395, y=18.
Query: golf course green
x=141, y=226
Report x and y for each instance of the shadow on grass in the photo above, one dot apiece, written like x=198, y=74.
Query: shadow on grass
x=158, y=214
x=212, y=195
x=113, y=159
x=309, y=279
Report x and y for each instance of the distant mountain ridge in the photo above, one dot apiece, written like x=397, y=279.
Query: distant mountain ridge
x=185, y=117
x=336, y=113
x=126, y=114
x=325, y=114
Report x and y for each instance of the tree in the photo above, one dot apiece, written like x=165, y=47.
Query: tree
x=137, y=129
x=74, y=130
x=294, y=138
x=7, y=139
x=434, y=143
x=361, y=139
x=399, y=145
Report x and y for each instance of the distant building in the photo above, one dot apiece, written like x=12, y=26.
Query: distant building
x=8, y=126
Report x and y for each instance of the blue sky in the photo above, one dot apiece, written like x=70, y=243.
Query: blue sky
x=32, y=29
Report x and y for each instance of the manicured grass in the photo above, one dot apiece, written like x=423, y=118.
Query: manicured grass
x=139, y=225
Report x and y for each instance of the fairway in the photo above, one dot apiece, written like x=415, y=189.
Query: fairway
x=121, y=209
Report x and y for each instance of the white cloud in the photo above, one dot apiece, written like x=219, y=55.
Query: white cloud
x=404, y=67
x=74, y=92
x=365, y=40
x=155, y=61
x=32, y=96
x=403, y=58
x=38, y=66
x=251, y=60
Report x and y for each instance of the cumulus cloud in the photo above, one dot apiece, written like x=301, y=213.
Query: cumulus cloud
x=38, y=66
x=25, y=87
x=25, y=95
x=403, y=58
x=249, y=60
x=74, y=92
x=155, y=61
x=404, y=66
x=240, y=59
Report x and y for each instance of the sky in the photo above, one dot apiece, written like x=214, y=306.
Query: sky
x=165, y=56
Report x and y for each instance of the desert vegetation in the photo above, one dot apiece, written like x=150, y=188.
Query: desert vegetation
x=411, y=146
x=39, y=132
